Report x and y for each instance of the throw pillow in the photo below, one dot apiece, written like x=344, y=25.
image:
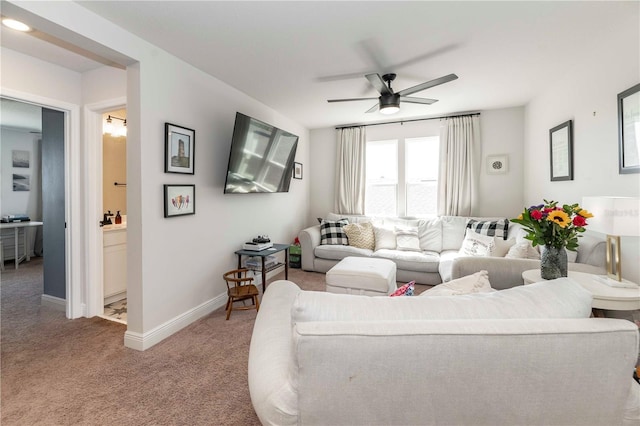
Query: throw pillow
x=495, y=228
x=385, y=238
x=407, y=239
x=332, y=232
x=476, y=283
x=501, y=247
x=405, y=290
x=361, y=235
x=475, y=244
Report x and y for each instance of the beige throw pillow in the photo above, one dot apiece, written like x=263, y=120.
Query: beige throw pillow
x=360, y=235
x=385, y=238
x=476, y=283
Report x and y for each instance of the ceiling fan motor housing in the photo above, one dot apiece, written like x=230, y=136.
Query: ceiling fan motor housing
x=387, y=101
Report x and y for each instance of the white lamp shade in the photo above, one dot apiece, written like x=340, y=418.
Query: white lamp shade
x=613, y=215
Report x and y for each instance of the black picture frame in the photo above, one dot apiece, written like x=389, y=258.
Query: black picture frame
x=628, y=122
x=179, y=200
x=297, y=170
x=561, y=151
x=179, y=149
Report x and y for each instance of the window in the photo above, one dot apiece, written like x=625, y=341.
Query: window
x=382, y=178
x=422, y=156
x=402, y=177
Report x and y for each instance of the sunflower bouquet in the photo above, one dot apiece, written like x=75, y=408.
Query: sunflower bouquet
x=553, y=226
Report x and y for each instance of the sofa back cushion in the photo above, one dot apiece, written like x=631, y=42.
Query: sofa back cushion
x=560, y=298
x=430, y=234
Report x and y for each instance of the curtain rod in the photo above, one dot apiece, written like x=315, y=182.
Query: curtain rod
x=408, y=121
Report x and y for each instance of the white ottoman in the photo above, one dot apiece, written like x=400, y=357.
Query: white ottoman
x=362, y=275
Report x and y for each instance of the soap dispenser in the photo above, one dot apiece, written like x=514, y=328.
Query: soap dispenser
x=118, y=218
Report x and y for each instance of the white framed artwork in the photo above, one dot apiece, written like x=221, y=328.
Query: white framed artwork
x=497, y=164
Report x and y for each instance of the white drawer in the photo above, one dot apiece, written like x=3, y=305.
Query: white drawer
x=114, y=237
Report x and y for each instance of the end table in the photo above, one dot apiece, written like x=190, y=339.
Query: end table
x=263, y=254
x=604, y=296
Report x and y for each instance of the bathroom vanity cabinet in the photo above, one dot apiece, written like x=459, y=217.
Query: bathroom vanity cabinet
x=115, y=263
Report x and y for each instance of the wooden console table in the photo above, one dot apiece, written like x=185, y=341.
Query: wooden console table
x=16, y=226
x=263, y=254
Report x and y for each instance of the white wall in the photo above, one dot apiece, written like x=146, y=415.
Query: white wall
x=20, y=202
x=175, y=265
x=587, y=94
x=502, y=132
x=20, y=73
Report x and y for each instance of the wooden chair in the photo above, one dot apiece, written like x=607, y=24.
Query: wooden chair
x=240, y=287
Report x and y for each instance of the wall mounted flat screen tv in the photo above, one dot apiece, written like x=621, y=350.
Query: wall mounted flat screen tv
x=261, y=158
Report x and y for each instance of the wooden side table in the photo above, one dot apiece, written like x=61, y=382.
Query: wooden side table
x=604, y=296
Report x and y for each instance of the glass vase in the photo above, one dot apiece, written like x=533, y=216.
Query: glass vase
x=553, y=262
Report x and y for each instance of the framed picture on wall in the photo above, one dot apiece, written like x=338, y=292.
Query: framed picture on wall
x=179, y=149
x=497, y=164
x=179, y=200
x=297, y=170
x=629, y=130
x=561, y=151
x=20, y=159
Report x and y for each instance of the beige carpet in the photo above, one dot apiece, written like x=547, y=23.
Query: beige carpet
x=56, y=371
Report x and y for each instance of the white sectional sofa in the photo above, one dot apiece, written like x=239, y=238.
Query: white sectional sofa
x=439, y=259
x=527, y=355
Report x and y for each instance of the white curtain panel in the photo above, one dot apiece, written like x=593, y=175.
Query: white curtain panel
x=350, y=170
x=459, y=166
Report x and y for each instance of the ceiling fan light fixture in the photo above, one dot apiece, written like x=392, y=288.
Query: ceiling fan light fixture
x=389, y=104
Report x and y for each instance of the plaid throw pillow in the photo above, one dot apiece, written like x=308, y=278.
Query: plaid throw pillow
x=332, y=232
x=497, y=228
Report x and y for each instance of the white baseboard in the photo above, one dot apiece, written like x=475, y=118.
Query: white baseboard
x=143, y=341
x=115, y=297
x=54, y=302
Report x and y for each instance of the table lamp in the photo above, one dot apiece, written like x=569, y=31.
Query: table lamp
x=615, y=217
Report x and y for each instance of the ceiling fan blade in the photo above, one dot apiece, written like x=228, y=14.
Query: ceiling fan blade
x=418, y=100
x=372, y=109
x=350, y=99
x=428, y=84
x=377, y=82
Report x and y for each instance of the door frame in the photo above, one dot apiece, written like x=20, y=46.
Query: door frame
x=94, y=287
x=74, y=255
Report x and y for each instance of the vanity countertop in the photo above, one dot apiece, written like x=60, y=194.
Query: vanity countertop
x=110, y=228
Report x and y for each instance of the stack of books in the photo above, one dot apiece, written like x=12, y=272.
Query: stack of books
x=8, y=218
x=255, y=262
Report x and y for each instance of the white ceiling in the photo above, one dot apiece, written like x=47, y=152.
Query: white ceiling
x=293, y=56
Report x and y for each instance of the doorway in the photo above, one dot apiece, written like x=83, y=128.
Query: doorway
x=114, y=217
x=44, y=191
x=106, y=254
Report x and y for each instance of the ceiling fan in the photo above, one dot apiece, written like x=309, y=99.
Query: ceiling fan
x=389, y=101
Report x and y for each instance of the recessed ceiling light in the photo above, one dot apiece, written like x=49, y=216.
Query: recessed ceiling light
x=16, y=25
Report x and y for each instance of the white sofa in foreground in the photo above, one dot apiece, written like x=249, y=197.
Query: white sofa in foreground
x=523, y=356
x=437, y=257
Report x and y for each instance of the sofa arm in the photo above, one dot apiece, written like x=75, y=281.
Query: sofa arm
x=507, y=272
x=503, y=272
x=309, y=240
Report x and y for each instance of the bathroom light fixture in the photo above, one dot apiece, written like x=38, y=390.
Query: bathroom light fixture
x=110, y=128
x=16, y=25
